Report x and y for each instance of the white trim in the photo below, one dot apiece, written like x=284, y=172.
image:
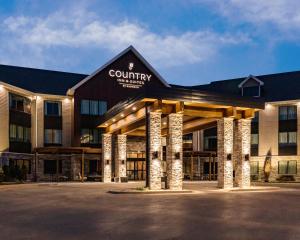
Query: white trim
x=137, y=54
x=261, y=83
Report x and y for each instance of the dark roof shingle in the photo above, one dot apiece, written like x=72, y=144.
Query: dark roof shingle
x=38, y=80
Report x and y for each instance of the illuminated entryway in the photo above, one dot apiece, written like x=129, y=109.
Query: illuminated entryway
x=170, y=113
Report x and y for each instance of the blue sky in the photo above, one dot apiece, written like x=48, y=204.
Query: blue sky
x=188, y=41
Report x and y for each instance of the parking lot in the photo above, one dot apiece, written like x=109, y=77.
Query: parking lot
x=87, y=211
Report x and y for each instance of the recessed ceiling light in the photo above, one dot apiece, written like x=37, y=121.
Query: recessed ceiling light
x=122, y=115
x=134, y=108
x=114, y=120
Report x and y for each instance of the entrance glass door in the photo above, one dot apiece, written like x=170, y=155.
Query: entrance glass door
x=136, y=166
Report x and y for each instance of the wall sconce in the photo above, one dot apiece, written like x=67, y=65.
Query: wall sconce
x=154, y=154
x=123, y=162
x=107, y=162
x=177, y=155
x=247, y=157
x=229, y=157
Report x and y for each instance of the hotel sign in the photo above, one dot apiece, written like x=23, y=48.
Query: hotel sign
x=130, y=78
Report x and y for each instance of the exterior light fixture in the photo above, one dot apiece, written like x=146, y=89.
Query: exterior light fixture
x=122, y=115
x=229, y=157
x=247, y=157
x=106, y=124
x=155, y=154
x=107, y=162
x=177, y=155
x=164, y=123
x=134, y=108
x=114, y=120
x=123, y=162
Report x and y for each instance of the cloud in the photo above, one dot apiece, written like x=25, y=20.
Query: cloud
x=85, y=30
x=282, y=14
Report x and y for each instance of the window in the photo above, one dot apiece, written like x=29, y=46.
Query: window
x=19, y=103
x=93, y=107
x=210, y=142
x=52, y=108
x=253, y=91
x=85, y=107
x=53, y=136
x=254, y=139
x=287, y=112
x=254, y=168
x=287, y=167
x=288, y=138
x=90, y=136
x=19, y=133
x=50, y=166
x=102, y=107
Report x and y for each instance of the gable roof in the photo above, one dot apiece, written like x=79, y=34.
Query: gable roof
x=277, y=87
x=249, y=78
x=136, y=53
x=38, y=80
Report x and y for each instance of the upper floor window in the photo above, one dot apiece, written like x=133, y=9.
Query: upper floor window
x=288, y=138
x=19, y=133
x=52, y=108
x=254, y=139
x=19, y=103
x=53, y=136
x=287, y=112
x=90, y=136
x=93, y=107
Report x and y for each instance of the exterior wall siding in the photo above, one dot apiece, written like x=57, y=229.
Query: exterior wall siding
x=67, y=110
x=4, y=119
x=268, y=130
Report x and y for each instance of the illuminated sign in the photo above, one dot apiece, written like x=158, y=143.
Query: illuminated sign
x=130, y=79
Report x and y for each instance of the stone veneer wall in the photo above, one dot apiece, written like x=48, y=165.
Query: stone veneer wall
x=174, y=145
x=242, y=139
x=121, y=156
x=106, y=157
x=154, y=122
x=225, y=147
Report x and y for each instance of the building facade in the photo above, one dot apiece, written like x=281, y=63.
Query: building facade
x=49, y=122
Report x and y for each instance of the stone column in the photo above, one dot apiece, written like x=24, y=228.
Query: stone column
x=121, y=157
x=242, y=153
x=174, y=151
x=106, y=157
x=155, y=155
x=225, y=149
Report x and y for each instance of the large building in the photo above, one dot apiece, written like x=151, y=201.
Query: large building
x=115, y=122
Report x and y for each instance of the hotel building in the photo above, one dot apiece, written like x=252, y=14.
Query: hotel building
x=124, y=121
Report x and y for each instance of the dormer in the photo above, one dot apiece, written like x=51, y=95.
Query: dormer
x=251, y=87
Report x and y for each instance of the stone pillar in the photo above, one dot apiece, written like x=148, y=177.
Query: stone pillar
x=106, y=157
x=155, y=155
x=225, y=149
x=121, y=157
x=242, y=153
x=174, y=151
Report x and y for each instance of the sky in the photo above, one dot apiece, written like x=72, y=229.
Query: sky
x=188, y=42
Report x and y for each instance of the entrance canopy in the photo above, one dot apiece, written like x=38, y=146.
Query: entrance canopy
x=200, y=110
